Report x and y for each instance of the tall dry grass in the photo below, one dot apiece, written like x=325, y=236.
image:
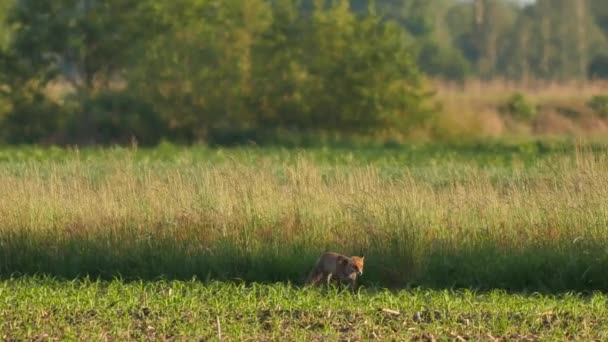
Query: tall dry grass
x=489, y=92
x=472, y=109
x=439, y=223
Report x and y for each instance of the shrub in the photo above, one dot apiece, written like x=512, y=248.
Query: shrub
x=439, y=61
x=599, y=104
x=598, y=67
x=115, y=118
x=519, y=108
x=32, y=119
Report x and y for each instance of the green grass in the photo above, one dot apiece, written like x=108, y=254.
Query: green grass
x=470, y=216
x=528, y=218
x=47, y=309
x=491, y=152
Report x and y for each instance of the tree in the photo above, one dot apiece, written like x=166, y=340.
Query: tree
x=360, y=73
x=202, y=65
x=86, y=43
x=493, y=20
x=599, y=9
x=5, y=29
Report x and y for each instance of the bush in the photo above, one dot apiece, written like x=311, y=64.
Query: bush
x=599, y=104
x=598, y=67
x=32, y=120
x=115, y=118
x=439, y=61
x=520, y=108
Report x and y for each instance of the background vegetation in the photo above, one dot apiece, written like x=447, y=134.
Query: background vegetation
x=287, y=71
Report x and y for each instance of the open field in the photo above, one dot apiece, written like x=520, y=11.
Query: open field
x=521, y=226
x=44, y=309
x=516, y=217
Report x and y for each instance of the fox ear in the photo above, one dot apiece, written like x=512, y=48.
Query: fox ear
x=362, y=257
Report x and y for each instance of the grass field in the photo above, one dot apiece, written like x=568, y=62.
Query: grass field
x=516, y=217
x=44, y=309
x=505, y=218
x=507, y=221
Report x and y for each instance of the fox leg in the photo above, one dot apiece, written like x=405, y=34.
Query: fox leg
x=314, y=277
x=329, y=275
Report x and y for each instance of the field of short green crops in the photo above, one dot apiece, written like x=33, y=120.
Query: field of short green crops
x=506, y=221
x=45, y=309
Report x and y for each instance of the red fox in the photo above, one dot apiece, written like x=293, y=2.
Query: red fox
x=333, y=264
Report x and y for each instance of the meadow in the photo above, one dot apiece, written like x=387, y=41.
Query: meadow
x=514, y=217
x=509, y=237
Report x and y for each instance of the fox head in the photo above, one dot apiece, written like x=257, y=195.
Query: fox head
x=353, y=264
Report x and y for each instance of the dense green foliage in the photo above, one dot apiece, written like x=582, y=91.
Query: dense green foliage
x=599, y=104
x=547, y=39
x=519, y=107
x=202, y=70
x=87, y=71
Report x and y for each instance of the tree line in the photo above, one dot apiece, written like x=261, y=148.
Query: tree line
x=547, y=39
x=92, y=71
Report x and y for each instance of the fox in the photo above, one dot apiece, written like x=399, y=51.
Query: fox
x=332, y=264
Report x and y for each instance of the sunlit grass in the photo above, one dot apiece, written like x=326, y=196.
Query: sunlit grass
x=536, y=223
x=472, y=110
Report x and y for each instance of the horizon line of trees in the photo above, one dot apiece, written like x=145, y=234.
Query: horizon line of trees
x=91, y=71
x=558, y=40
